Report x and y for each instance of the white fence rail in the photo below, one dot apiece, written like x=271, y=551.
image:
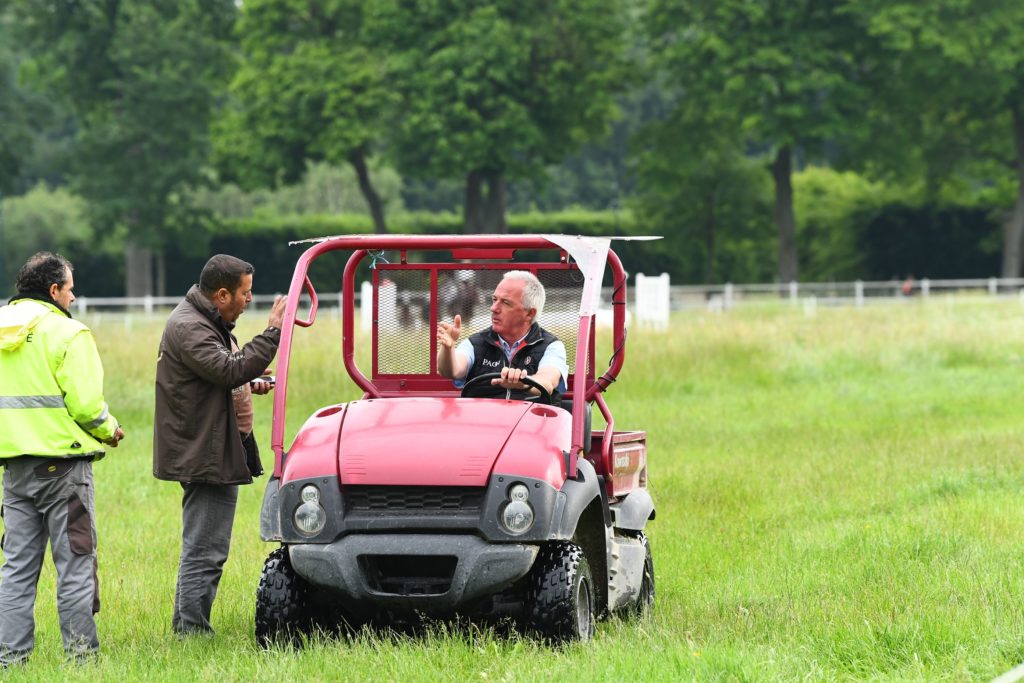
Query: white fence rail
x=680, y=297
x=856, y=293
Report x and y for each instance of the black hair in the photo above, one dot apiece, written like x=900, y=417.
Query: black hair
x=42, y=270
x=223, y=271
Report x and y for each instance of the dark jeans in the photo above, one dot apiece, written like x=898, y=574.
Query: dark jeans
x=207, y=514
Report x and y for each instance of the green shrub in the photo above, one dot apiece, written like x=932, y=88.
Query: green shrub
x=55, y=220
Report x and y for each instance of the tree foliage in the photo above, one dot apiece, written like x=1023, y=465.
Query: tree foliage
x=495, y=104
x=15, y=114
x=955, y=101
x=56, y=220
x=311, y=87
x=496, y=90
x=710, y=199
x=785, y=76
x=140, y=77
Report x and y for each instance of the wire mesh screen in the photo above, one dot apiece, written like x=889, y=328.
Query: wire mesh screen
x=404, y=342
x=405, y=310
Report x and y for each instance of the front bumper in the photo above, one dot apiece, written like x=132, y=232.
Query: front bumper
x=431, y=573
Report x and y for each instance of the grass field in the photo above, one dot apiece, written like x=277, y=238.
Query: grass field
x=838, y=499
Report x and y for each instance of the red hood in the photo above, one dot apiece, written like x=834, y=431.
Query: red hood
x=425, y=441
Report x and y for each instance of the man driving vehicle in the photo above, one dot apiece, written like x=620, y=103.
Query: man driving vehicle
x=514, y=346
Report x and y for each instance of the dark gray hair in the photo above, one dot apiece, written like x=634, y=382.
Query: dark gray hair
x=533, y=290
x=223, y=271
x=42, y=270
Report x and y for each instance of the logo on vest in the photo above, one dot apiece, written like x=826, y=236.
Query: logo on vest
x=490, y=363
x=529, y=359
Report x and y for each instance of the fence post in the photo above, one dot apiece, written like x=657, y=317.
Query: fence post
x=926, y=286
x=993, y=286
x=147, y=304
x=652, y=300
x=793, y=292
x=83, y=305
x=366, y=305
x=727, y=303
x=858, y=293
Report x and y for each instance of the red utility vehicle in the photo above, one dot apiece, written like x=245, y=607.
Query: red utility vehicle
x=419, y=499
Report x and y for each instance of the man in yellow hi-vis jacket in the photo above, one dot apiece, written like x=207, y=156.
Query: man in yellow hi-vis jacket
x=53, y=424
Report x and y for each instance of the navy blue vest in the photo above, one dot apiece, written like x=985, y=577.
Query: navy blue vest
x=490, y=357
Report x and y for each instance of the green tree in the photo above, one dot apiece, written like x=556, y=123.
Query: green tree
x=709, y=199
x=955, y=92
x=789, y=75
x=15, y=132
x=497, y=90
x=831, y=206
x=43, y=219
x=312, y=87
x=141, y=77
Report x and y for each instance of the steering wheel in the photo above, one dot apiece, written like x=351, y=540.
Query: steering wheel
x=474, y=386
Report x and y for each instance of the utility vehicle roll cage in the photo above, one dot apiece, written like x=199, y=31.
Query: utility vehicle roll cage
x=585, y=255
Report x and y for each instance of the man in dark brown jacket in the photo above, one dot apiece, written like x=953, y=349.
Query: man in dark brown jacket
x=203, y=423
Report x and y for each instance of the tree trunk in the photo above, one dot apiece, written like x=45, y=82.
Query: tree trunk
x=1013, y=223
x=138, y=271
x=472, y=212
x=782, y=173
x=161, y=272
x=709, y=238
x=358, y=160
x=494, y=208
x=485, y=213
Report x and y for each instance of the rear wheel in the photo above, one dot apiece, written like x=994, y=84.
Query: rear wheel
x=560, y=594
x=282, y=602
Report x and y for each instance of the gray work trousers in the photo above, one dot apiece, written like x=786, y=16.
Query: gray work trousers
x=207, y=514
x=48, y=499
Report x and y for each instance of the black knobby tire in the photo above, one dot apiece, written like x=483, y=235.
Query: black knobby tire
x=560, y=601
x=644, y=604
x=282, y=602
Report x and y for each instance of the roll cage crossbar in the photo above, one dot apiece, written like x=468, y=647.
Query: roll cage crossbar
x=589, y=254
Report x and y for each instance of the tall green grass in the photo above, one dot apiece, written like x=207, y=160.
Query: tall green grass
x=838, y=499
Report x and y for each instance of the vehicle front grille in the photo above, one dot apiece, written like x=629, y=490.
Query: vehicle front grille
x=412, y=498
x=409, y=575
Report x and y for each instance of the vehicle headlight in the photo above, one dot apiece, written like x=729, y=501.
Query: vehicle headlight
x=517, y=517
x=519, y=492
x=310, y=494
x=310, y=517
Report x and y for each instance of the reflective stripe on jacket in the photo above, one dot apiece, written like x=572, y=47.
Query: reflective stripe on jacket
x=51, y=384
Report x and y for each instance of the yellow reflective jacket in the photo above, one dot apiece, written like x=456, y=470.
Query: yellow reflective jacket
x=51, y=384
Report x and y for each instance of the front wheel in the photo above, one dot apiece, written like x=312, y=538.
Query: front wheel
x=282, y=602
x=560, y=594
x=644, y=604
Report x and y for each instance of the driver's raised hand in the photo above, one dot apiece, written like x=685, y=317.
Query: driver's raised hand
x=448, y=333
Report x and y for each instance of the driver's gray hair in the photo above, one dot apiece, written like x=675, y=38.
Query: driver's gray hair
x=533, y=290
